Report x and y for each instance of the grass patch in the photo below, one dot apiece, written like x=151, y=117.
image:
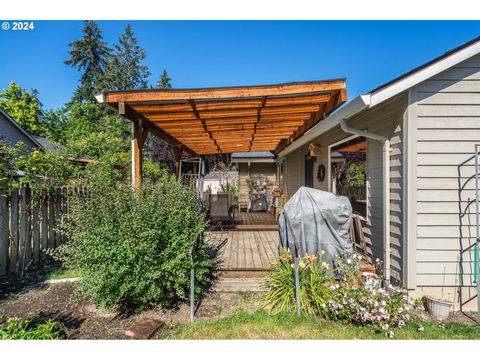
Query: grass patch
x=261, y=325
x=63, y=273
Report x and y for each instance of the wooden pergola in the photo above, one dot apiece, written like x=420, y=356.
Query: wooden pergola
x=225, y=120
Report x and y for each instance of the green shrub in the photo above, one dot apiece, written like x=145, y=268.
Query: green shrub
x=339, y=294
x=314, y=293
x=132, y=247
x=25, y=330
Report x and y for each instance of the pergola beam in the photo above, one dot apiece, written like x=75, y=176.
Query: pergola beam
x=224, y=93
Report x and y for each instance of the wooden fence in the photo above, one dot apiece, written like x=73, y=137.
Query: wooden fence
x=29, y=225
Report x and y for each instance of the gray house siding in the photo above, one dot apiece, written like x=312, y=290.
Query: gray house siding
x=12, y=134
x=386, y=119
x=446, y=110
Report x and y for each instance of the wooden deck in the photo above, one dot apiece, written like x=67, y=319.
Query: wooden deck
x=254, y=218
x=244, y=251
x=246, y=221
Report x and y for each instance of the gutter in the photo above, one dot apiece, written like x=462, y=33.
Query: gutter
x=353, y=107
x=386, y=190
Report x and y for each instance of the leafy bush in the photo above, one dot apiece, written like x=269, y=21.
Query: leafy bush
x=281, y=284
x=132, y=247
x=26, y=330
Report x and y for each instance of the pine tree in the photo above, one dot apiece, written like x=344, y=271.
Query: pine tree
x=164, y=81
x=89, y=55
x=125, y=71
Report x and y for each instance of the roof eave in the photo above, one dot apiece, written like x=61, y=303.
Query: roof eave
x=353, y=107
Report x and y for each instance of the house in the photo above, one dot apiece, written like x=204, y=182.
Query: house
x=420, y=131
x=13, y=133
x=254, y=165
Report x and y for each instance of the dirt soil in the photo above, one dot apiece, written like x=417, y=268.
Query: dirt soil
x=84, y=321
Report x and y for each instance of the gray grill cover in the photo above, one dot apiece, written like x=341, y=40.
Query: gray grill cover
x=314, y=220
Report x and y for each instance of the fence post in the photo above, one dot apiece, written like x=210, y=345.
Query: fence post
x=3, y=233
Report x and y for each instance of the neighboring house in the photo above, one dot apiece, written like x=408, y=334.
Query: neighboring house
x=419, y=207
x=251, y=165
x=13, y=133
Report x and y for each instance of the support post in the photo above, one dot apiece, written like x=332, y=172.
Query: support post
x=177, y=155
x=139, y=135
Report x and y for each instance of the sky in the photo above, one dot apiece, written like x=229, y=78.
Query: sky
x=234, y=53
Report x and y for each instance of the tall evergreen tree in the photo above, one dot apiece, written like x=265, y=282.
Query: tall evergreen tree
x=164, y=81
x=89, y=55
x=126, y=71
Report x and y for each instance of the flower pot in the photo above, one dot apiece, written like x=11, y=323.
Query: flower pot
x=440, y=309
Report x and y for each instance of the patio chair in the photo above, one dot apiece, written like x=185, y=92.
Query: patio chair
x=220, y=209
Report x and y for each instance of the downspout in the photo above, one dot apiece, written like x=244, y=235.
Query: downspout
x=386, y=190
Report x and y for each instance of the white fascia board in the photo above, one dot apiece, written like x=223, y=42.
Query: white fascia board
x=351, y=108
x=424, y=74
x=100, y=98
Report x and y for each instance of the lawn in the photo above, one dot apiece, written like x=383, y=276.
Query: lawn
x=260, y=325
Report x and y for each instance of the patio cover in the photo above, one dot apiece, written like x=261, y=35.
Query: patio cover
x=231, y=119
x=228, y=119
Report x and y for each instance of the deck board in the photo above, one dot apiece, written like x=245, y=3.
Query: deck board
x=244, y=250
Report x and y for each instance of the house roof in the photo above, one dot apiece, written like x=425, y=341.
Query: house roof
x=21, y=129
x=253, y=154
x=389, y=90
x=230, y=119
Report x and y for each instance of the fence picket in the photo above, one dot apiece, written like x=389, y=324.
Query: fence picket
x=28, y=228
x=36, y=232
x=14, y=230
x=3, y=234
x=43, y=226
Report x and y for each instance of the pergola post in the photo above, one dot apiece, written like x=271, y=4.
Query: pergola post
x=139, y=135
x=177, y=155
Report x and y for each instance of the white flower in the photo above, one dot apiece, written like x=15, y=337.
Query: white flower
x=420, y=328
x=384, y=303
x=360, y=257
x=377, y=260
x=349, y=261
x=322, y=306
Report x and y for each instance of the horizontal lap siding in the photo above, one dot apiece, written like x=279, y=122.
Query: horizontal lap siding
x=448, y=126
x=385, y=119
x=12, y=135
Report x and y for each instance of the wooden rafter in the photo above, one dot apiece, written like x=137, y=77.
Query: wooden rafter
x=223, y=120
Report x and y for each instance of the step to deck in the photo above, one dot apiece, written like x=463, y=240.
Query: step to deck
x=253, y=284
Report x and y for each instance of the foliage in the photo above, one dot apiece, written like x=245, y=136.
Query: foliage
x=312, y=277
x=231, y=187
x=23, y=107
x=340, y=294
x=164, y=81
x=8, y=167
x=40, y=169
x=261, y=325
x=90, y=56
x=356, y=173
x=125, y=70
x=133, y=246
x=26, y=330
